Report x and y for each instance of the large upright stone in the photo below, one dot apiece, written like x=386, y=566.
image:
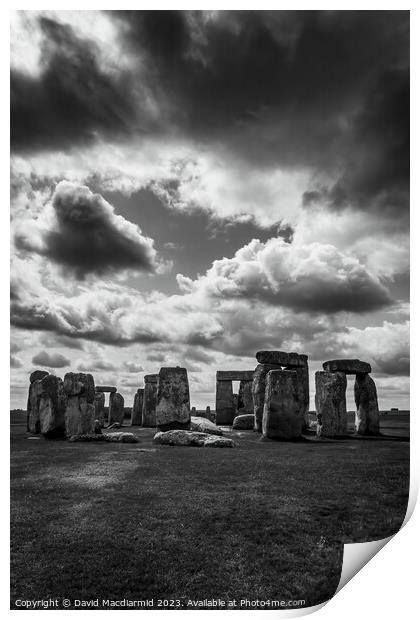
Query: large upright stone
x=136, y=412
x=80, y=409
x=281, y=358
x=148, y=417
x=245, y=401
x=302, y=373
x=32, y=407
x=367, y=413
x=258, y=392
x=173, y=399
x=52, y=407
x=282, y=411
x=350, y=367
x=330, y=403
x=225, y=406
x=100, y=407
x=116, y=409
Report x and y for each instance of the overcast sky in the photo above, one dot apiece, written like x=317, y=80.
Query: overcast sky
x=191, y=187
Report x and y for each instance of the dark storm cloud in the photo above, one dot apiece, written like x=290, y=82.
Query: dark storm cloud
x=328, y=90
x=87, y=237
x=72, y=100
x=51, y=360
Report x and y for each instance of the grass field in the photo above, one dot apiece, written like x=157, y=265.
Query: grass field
x=264, y=520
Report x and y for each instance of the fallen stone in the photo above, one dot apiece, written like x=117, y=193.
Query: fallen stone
x=282, y=412
x=218, y=442
x=203, y=425
x=52, y=406
x=114, y=425
x=258, y=392
x=180, y=437
x=87, y=437
x=367, y=414
x=244, y=422
x=116, y=408
x=100, y=408
x=173, y=399
x=330, y=403
x=37, y=375
x=350, y=367
x=281, y=358
x=148, y=417
x=80, y=384
x=105, y=388
x=121, y=437
x=136, y=412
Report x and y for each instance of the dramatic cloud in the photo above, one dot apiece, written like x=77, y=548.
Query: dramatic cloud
x=307, y=278
x=81, y=231
x=15, y=362
x=50, y=360
x=133, y=367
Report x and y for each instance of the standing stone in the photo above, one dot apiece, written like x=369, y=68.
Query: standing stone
x=258, y=392
x=330, y=403
x=80, y=409
x=367, y=414
x=303, y=393
x=100, y=408
x=245, y=401
x=225, y=406
x=32, y=407
x=116, y=409
x=193, y=411
x=148, y=417
x=282, y=411
x=173, y=399
x=136, y=412
x=52, y=407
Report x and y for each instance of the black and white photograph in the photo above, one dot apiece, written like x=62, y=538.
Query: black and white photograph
x=209, y=306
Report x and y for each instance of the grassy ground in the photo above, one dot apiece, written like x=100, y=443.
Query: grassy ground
x=264, y=520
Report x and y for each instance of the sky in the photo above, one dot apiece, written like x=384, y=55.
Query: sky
x=190, y=187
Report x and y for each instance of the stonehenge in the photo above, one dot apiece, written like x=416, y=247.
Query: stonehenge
x=226, y=408
x=272, y=400
x=136, y=412
x=173, y=399
x=116, y=409
x=282, y=417
x=79, y=415
x=148, y=417
x=278, y=360
x=330, y=403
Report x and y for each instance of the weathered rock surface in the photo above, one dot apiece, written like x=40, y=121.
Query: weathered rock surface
x=32, y=408
x=303, y=393
x=148, y=417
x=52, y=406
x=366, y=399
x=225, y=406
x=282, y=417
x=173, y=399
x=37, y=375
x=100, y=408
x=121, y=437
x=281, y=358
x=244, y=422
x=97, y=427
x=245, y=400
x=105, y=388
x=181, y=437
x=116, y=408
x=80, y=384
x=136, y=412
x=258, y=392
x=330, y=403
x=234, y=375
x=218, y=442
x=203, y=425
x=350, y=367
x=79, y=416
x=88, y=437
